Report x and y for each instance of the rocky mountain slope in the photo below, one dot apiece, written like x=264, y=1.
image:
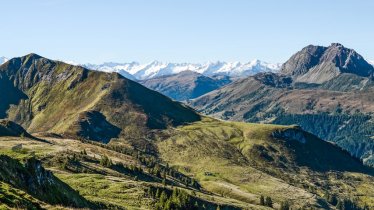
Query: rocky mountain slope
x=185, y=85
x=317, y=64
x=339, y=109
x=44, y=95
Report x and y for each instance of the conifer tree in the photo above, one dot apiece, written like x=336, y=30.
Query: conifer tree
x=285, y=206
x=262, y=200
x=268, y=202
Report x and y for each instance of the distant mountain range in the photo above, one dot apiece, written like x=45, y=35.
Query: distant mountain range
x=138, y=71
x=154, y=69
x=328, y=91
x=172, y=79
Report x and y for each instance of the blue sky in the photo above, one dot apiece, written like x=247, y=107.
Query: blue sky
x=182, y=30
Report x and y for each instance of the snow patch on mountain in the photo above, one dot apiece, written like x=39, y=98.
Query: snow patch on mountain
x=70, y=62
x=3, y=60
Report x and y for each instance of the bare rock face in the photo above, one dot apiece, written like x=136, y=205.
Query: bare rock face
x=274, y=80
x=316, y=64
x=302, y=61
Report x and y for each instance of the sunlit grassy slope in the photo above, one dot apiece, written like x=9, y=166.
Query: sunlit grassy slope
x=99, y=184
x=235, y=163
x=243, y=161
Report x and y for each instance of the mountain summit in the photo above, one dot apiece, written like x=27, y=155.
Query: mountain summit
x=44, y=95
x=317, y=64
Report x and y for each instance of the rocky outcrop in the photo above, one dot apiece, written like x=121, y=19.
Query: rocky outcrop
x=274, y=80
x=38, y=182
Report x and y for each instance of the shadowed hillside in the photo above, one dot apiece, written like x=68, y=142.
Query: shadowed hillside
x=185, y=85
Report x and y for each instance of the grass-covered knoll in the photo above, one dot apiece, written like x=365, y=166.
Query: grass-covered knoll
x=51, y=96
x=243, y=161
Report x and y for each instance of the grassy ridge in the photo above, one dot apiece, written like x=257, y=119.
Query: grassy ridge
x=243, y=161
x=52, y=96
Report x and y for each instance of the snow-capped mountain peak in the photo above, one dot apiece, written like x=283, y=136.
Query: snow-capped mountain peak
x=141, y=71
x=157, y=68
